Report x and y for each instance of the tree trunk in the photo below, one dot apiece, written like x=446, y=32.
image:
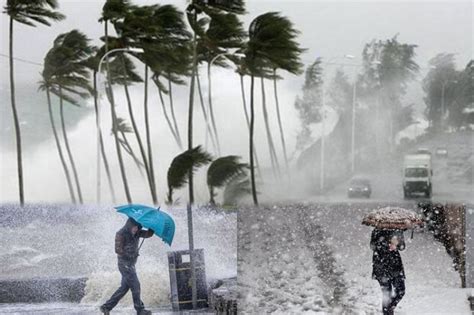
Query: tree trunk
x=176, y=129
x=271, y=147
x=189, y=209
x=139, y=140
x=244, y=103
x=16, y=121
x=282, y=136
x=128, y=149
x=68, y=148
x=165, y=113
x=60, y=151
x=211, y=194
x=252, y=122
x=148, y=141
x=114, y=122
x=101, y=145
x=206, y=118
x=211, y=110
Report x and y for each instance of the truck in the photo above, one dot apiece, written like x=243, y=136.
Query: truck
x=417, y=175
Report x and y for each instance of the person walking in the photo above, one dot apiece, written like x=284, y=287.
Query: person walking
x=388, y=266
x=126, y=248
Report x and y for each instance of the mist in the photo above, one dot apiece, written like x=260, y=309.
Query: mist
x=331, y=31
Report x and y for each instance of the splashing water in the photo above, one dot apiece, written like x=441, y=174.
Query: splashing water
x=52, y=241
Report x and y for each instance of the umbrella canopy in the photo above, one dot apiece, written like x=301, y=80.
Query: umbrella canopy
x=151, y=218
x=392, y=218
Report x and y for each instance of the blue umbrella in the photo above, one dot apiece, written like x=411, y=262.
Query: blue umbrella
x=151, y=218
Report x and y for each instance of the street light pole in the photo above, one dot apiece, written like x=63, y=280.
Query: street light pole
x=209, y=95
x=443, y=106
x=354, y=94
x=99, y=67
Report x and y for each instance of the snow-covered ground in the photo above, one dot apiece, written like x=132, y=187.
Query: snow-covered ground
x=315, y=258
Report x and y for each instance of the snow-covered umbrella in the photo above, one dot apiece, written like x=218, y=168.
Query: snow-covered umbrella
x=393, y=218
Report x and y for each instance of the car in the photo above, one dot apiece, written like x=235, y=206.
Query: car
x=423, y=151
x=441, y=152
x=359, y=187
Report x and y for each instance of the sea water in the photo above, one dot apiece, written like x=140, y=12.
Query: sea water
x=57, y=241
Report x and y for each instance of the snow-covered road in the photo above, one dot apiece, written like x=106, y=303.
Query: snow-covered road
x=310, y=258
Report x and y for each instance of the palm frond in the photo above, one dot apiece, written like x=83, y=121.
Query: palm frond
x=224, y=169
x=236, y=189
x=182, y=165
x=30, y=12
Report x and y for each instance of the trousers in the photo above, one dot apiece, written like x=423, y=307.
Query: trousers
x=393, y=290
x=129, y=282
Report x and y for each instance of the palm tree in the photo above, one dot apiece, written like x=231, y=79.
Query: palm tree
x=224, y=32
x=65, y=66
x=26, y=12
x=237, y=188
x=266, y=49
x=45, y=86
x=114, y=11
x=182, y=165
x=123, y=128
x=93, y=64
x=222, y=171
x=195, y=8
x=288, y=60
x=241, y=71
x=271, y=145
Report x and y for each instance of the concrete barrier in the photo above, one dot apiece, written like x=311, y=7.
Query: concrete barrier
x=39, y=290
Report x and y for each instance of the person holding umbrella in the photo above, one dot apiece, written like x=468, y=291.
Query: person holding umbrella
x=386, y=241
x=388, y=266
x=127, y=249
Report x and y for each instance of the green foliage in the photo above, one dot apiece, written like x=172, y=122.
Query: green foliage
x=182, y=165
x=309, y=106
x=29, y=12
x=272, y=45
x=340, y=93
x=65, y=70
x=224, y=31
x=237, y=188
x=222, y=171
x=114, y=10
x=442, y=76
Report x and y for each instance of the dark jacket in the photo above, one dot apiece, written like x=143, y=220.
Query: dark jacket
x=386, y=263
x=126, y=244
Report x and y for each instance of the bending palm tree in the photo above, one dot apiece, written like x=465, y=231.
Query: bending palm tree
x=266, y=49
x=194, y=8
x=271, y=145
x=25, y=12
x=180, y=167
x=65, y=66
x=93, y=64
x=113, y=11
x=46, y=87
x=221, y=172
x=224, y=32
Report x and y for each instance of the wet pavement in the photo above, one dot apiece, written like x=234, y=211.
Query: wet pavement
x=83, y=309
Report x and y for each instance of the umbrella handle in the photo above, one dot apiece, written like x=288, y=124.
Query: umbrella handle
x=140, y=245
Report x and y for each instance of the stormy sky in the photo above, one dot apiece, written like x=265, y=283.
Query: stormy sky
x=328, y=28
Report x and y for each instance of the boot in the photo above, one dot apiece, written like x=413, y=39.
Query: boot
x=104, y=310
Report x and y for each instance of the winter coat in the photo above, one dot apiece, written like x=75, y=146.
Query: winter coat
x=126, y=244
x=386, y=264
